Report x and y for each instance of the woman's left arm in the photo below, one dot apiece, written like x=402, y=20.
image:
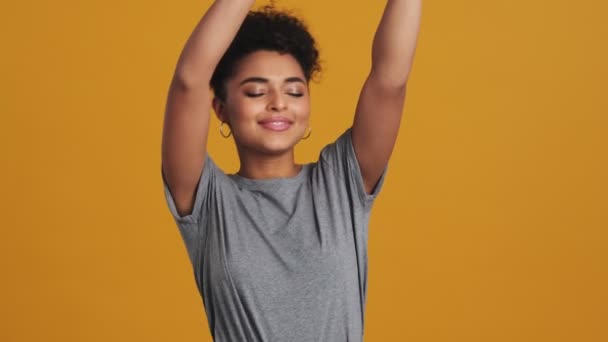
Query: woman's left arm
x=381, y=102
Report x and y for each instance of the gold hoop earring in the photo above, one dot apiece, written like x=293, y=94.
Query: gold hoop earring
x=222, y=132
x=309, y=133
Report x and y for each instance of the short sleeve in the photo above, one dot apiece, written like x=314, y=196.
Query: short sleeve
x=202, y=188
x=341, y=156
x=192, y=227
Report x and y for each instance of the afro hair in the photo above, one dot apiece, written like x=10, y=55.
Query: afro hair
x=271, y=30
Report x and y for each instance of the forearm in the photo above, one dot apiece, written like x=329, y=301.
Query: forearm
x=395, y=41
x=210, y=39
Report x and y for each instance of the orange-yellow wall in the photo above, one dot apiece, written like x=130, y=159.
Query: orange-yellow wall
x=492, y=225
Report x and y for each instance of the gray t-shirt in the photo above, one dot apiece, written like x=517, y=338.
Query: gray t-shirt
x=283, y=259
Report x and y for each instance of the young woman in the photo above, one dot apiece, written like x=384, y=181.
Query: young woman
x=279, y=249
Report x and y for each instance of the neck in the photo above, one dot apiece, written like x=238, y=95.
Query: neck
x=258, y=166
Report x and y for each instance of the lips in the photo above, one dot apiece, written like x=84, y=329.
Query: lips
x=276, y=123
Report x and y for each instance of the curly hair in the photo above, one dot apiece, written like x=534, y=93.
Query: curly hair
x=272, y=30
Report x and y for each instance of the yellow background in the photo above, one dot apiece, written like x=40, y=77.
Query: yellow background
x=491, y=226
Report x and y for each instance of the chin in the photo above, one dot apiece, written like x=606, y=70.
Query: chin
x=275, y=149
x=276, y=145
x=270, y=143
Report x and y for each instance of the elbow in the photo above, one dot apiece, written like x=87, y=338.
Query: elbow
x=187, y=80
x=391, y=70
x=389, y=81
x=189, y=84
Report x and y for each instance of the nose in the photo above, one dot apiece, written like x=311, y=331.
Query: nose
x=277, y=102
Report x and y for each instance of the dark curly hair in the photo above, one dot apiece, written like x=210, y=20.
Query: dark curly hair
x=272, y=30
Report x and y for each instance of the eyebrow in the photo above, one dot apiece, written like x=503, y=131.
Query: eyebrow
x=265, y=80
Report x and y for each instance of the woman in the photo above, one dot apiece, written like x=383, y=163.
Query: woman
x=279, y=249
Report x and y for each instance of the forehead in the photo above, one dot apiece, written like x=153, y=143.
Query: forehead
x=268, y=64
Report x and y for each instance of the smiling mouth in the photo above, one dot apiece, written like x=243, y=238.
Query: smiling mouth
x=278, y=125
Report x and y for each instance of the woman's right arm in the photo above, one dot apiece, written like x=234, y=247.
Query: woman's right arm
x=187, y=113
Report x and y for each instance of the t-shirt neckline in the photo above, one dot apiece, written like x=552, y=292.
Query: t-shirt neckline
x=257, y=183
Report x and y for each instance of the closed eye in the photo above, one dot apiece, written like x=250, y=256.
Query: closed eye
x=262, y=94
x=254, y=94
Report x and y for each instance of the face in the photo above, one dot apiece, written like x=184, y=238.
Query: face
x=267, y=104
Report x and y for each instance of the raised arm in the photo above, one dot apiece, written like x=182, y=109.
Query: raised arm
x=380, y=106
x=187, y=113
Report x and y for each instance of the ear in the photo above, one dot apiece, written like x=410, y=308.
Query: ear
x=218, y=108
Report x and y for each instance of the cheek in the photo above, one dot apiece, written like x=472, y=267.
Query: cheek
x=303, y=110
x=245, y=110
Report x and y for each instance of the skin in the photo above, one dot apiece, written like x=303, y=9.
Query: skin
x=266, y=84
x=270, y=155
x=380, y=106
